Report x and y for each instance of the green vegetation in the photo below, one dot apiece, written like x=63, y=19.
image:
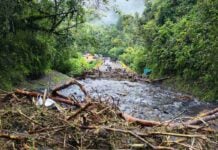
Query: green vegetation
x=79, y=65
x=173, y=38
x=182, y=42
x=36, y=36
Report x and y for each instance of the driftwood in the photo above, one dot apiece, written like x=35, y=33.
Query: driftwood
x=66, y=85
x=140, y=136
x=55, y=95
x=210, y=112
x=146, y=123
x=120, y=74
x=128, y=118
x=211, y=115
x=80, y=110
x=103, y=121
x=136, y=135
x=36, y=94
x=201, y=120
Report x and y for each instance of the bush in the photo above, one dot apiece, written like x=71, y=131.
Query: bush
x=22, y=55
x=78, y=66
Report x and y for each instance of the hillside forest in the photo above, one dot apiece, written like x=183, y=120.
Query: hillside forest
x=173, y=38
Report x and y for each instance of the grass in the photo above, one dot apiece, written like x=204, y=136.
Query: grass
x=191, y=88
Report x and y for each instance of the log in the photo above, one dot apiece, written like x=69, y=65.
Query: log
x=36, y=94
x=79, y=111
x=69, y=83
x=159, y=80
x=27, y=93
x=210, y=112
x=143, y=122
x=211, y=115
x=193, y=123
x=200, y=120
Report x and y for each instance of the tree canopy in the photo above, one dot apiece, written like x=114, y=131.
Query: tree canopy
x=34, y=34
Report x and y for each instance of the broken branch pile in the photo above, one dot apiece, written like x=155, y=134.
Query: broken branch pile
x=94, y=124
x=120, y=74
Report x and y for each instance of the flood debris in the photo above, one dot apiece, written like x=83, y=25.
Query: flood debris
x=120, y=73
x=93, y=124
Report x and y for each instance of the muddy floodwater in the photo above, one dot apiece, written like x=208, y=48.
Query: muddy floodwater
x=141, y=100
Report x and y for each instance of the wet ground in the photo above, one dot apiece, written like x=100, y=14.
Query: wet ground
x=110, y=65
x=141, y=100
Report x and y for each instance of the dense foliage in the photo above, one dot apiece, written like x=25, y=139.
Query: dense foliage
x=183, y=42
x=36, y=36
x=181, y=39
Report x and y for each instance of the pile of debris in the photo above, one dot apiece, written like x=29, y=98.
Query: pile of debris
x=60, y=122
x=120, y=74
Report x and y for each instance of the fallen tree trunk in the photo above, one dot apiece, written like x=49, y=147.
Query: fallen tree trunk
x=66, y=85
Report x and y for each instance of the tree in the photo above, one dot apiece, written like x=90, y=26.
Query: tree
x=35, y=35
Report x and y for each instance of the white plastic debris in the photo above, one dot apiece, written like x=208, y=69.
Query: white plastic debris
x=39, y=101
x=48, y=102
